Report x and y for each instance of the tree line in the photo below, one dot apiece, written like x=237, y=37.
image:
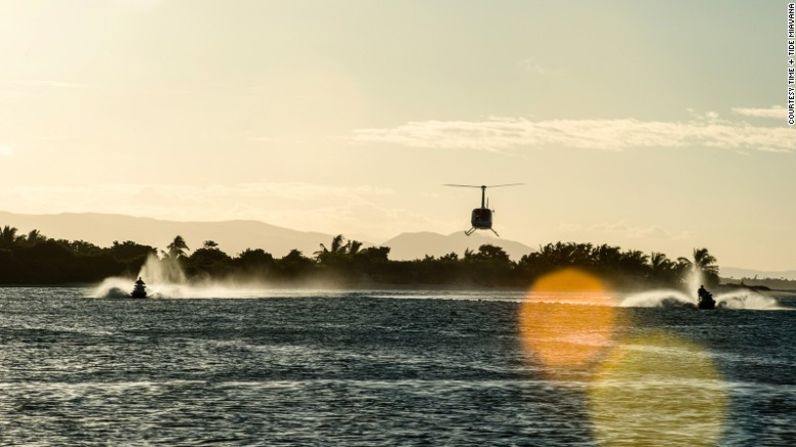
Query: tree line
x=33, y=258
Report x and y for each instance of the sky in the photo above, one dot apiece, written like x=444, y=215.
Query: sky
x=657, y=126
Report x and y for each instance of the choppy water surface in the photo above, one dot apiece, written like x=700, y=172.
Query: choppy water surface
x=382, y=368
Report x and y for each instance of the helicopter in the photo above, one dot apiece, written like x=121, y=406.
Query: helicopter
x=481, y=218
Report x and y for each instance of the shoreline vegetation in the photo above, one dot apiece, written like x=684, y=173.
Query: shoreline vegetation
x=34, y=259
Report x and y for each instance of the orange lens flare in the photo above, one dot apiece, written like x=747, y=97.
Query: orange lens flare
x=657, y=390
x=567, y=318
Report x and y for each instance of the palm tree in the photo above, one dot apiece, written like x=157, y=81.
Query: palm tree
x=34, y=237
x=210, y=245
x=706, y=262
x=177, y=247
x=8, y=236
x=352, y=247
x=337, y=247
x=683, y=266
x=663, y=269
x=631, y=263
x=660, y=264
x=339, y=250
x=326, y=253
x=606, y=255
x=659, y=261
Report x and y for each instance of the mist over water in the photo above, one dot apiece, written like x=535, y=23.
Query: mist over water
x=120, y=288
x=738, y=299
x=165, y=279
x=162, y=271
x=674, y=298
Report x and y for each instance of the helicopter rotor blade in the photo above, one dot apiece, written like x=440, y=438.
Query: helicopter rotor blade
x=456, y=185
x=505, y=184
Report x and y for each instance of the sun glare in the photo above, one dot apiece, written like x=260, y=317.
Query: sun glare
x=567, y=318
x=657, y=390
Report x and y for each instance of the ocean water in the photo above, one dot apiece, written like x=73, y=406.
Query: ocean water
x=372, y=368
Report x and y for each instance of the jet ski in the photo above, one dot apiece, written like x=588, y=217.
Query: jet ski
x=139, y=291
x=706, y=301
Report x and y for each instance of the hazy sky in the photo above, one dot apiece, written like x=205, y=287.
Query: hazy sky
x=653, y=125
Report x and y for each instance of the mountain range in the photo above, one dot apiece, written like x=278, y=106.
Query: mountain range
x=417, y=245
x=738, y=273
x=234, y=236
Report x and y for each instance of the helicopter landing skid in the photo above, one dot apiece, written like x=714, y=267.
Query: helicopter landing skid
x=472, y=230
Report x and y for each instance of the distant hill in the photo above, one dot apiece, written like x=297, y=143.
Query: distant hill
x=738, y=273
x=232, y=236
x=417, y=245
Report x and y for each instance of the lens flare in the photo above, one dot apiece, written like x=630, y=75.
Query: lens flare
x=567, y=318
x=657, y=390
